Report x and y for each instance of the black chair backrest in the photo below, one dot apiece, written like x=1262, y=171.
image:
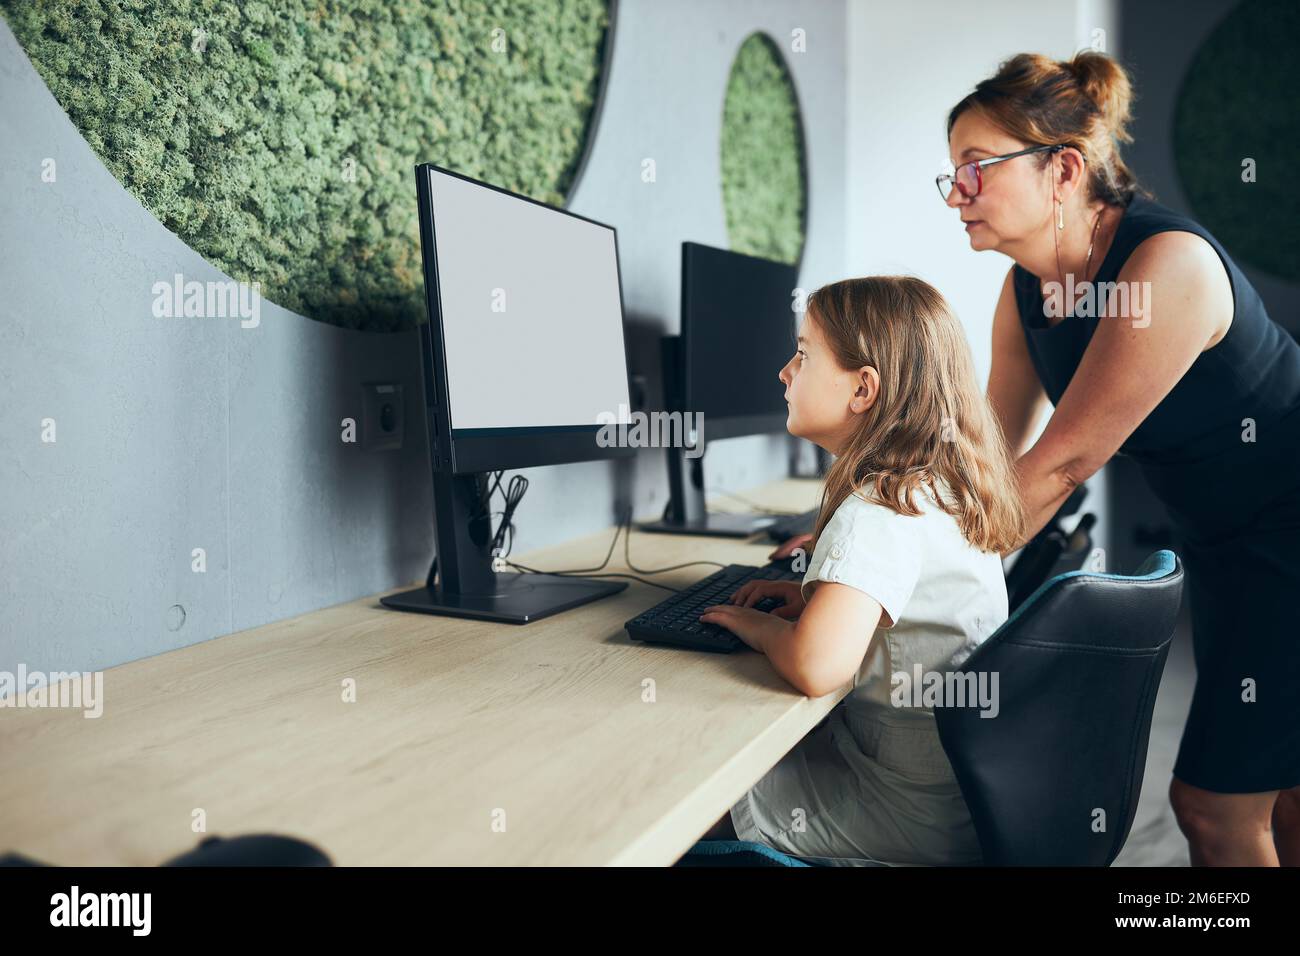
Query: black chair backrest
x=1054, y=777
x=1051, y=551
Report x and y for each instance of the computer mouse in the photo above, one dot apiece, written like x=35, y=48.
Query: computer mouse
x=254, y=849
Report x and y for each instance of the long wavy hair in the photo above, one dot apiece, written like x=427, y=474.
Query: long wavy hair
x=931, y=426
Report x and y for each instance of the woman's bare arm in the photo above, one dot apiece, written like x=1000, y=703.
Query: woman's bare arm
x=1014, y=390
x=1130, y=365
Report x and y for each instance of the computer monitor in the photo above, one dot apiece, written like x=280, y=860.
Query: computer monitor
x=523, y=354
x=737, y=332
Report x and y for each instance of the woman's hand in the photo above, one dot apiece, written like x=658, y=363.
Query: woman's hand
x=789, y=546
x=788, y=592
x=755, y=628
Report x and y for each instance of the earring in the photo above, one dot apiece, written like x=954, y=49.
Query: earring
x=1060, y=215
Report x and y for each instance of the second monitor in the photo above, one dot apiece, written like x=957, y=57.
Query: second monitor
x=737, y=333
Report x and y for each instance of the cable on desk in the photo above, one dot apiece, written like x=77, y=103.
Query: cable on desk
x=697, y=479
x=624, y=526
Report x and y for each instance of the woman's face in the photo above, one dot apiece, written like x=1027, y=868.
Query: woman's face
x=824, y=399
x=1015, y=200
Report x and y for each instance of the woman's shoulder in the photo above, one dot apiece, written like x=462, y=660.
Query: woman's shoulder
x=1149, y=223
x=1143, y=210
x=1159, y=244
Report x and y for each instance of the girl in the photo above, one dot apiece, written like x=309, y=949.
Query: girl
x=917, y=508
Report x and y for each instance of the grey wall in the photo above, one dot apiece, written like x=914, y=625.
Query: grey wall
x=175, y=434
x=1160, y=39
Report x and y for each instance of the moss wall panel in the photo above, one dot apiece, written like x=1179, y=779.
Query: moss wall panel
x=763, y=171
x=278, y=139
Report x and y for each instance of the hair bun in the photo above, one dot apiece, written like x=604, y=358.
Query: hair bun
x=1083, y=101
x=1106, y=83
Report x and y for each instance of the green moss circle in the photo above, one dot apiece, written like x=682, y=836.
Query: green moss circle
x=1238, y=102
x=279, y=139
x=764, y=187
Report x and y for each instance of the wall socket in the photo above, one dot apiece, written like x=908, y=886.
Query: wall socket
x=383, y=416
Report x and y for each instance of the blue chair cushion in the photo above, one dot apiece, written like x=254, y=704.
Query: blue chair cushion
x=735, y=853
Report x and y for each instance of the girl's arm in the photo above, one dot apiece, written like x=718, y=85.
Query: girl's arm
x=830, y=639
x=823, y=649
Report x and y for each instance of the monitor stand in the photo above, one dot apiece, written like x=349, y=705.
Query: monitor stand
x=466, y=584
x=799, y=468
x=686, y=512
x=823, y=462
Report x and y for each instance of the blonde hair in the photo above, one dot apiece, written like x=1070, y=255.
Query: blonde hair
x=930, y=422
x=1085, y=102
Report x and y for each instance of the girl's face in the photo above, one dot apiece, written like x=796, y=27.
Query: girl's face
x=1014, y=203
x=825, y=400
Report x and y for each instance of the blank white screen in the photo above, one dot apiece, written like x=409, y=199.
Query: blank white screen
x=555, y=355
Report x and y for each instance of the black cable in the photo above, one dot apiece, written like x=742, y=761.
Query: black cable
x=514, y=494
x=603, y=574
x=624, y=525
x=627, y=553
x=697, y=477
x=505, y=532
x=518, y=485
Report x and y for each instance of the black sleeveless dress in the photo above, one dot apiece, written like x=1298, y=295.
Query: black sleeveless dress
x=1235, y=506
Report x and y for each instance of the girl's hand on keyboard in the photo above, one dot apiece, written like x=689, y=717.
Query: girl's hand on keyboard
x=755, y=628
x=787, y=592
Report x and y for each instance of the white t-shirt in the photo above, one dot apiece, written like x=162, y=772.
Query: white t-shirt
x=942, y=594
x=873, y=782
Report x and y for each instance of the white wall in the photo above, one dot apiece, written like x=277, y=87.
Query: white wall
x=908, y=65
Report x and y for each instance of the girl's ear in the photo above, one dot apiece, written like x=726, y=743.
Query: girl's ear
x=864, y=396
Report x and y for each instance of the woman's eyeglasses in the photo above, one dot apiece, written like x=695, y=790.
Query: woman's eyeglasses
x=969, y=180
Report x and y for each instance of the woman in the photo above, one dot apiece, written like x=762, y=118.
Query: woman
x=1174, y=363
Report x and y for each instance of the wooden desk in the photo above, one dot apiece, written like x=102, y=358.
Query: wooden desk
x=454, y=721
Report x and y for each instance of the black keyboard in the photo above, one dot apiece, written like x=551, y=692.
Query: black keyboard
x=790, y=526
x=676, y=620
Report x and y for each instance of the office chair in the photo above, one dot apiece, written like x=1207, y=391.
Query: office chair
x=1052, y=551
x=1054, y=778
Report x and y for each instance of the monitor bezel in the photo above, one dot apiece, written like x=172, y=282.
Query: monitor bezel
x=471, y=450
